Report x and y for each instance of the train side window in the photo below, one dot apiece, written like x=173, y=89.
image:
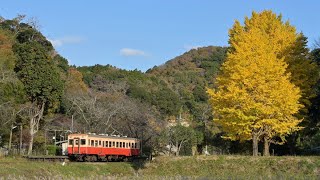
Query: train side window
x=117, y=144
x=129, y=145
x=107, y=143
x=121, y=144
x=99, y=143
x=132, y=145
x=96, y=143
x=77, y=142
x=70, y=141
x=110, y=144
x=113, y=144
x=135, y=145
x=83, y=142
x=92, y=142
x=103, y=143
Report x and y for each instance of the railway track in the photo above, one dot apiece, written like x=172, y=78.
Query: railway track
x=48, y=158
x=66, y=158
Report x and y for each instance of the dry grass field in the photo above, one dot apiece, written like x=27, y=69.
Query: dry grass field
x=207, y=167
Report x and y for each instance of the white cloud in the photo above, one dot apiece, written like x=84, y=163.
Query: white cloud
x=189, y=47
x=66, y=40
x=132, y=52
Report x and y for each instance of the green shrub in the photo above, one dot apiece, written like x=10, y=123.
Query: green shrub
x=52, y=149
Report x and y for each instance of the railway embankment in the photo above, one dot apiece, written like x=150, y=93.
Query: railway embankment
x=212, y=167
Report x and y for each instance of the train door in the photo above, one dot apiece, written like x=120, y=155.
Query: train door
x=76, y=146
x=100, y=147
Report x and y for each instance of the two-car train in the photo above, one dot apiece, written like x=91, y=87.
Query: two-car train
x=92, y=147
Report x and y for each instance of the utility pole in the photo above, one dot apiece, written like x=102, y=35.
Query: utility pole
x=205, y=136
x=45, y=141
x=141, y=143
x=10, y=138
x=45, y=137
x=72, y=123
x=55, y=136
x=20, y=145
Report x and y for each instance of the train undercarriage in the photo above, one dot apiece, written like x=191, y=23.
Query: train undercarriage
x=96, y=158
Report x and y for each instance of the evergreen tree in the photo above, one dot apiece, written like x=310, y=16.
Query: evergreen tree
x=41, y=80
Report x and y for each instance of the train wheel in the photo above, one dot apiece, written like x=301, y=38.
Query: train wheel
x=109, y=159
x=87, y=158
x=102, y=158
x=72, y=158
x=79, y=158
x=125, y=159
x=94, y=158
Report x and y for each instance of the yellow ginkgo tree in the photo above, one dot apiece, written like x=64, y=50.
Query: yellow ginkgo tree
x=254, y=98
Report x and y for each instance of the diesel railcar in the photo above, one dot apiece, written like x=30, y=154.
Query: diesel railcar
x=92, y=147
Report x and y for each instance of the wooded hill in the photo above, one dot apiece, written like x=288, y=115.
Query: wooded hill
x=176, y=87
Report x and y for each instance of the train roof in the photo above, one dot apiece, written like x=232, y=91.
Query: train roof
x=104, y=136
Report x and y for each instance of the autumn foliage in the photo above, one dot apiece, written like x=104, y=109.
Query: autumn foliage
x=254, y=98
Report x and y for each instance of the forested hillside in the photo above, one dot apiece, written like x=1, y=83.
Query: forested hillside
x=189, y=75
x=41, y=93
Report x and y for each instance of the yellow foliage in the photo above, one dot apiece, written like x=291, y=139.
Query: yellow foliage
x=75, y=84
x=254, y=92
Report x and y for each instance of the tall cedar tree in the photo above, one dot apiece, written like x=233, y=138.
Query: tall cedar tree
x=254, y=98
x=41, y=80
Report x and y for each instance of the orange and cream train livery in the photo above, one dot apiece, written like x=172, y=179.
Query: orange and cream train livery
x=92, y=147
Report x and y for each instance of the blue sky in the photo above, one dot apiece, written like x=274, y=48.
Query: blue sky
x=141, y=34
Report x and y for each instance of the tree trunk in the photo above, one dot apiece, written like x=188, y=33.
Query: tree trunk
x=177, y=148
x=266, y=151
x=30, y=142
x=35, y=115
x=30, y=146
x=291, y=141
x=255, y=149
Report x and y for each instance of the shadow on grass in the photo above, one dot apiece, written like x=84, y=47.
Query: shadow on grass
x=139, y=163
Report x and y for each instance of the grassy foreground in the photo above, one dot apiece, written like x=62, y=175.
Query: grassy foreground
x=211, y=167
